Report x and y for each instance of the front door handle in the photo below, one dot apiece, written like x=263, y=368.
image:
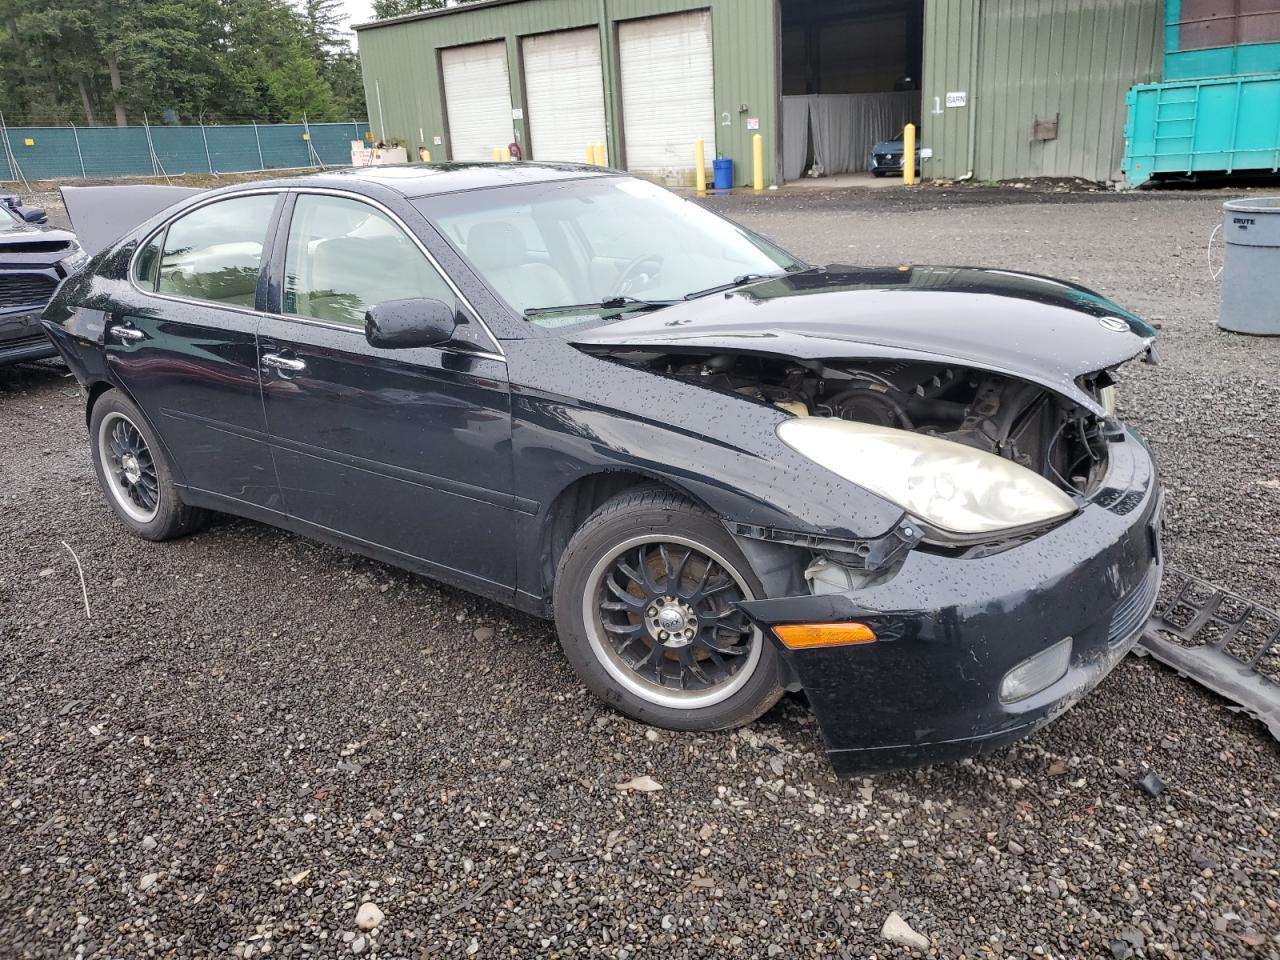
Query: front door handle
x=128, y=334
x=283, y=363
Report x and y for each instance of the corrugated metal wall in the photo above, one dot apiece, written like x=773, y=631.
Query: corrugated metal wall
x=950, y=39
x=406, y=100
x=1029, y=60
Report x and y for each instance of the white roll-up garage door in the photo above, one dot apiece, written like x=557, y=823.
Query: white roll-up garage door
x=477, y=94
x=564, y=87
x=668, y=93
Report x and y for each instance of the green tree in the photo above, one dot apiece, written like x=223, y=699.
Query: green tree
x=347, y=83
x=386, y=9
x=156, y=59
x=83, y=60
x=267, y=67
x=48, y=60
x=323, y=20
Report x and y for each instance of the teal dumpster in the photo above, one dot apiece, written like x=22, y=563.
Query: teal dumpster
x=1219, y=125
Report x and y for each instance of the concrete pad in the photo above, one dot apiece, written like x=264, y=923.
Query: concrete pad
x=844, y=181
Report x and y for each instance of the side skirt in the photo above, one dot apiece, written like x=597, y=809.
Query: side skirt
x=506, y=595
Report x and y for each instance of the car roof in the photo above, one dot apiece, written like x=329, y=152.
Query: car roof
x=415, y=180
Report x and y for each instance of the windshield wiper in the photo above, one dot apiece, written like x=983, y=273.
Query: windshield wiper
x=609, y=303
x=733, y=284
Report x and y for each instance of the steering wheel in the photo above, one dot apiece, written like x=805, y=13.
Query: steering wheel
x=636, y=276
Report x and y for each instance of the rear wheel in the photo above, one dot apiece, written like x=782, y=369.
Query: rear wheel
x=134, y=474
x=645, y=604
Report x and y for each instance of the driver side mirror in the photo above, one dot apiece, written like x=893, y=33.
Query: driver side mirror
x=399, y=324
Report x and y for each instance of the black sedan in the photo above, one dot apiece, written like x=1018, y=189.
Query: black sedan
x=723, y=472
x=34, y=258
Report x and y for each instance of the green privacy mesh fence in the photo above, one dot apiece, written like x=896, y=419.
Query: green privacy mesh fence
x=71, y=152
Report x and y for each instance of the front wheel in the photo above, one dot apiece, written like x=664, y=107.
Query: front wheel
x=645, y=607
x=134, y=474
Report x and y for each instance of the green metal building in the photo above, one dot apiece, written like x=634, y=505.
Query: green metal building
x=1001, y=89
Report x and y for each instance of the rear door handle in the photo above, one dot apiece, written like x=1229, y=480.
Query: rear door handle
x=278, y=362
x=128, y=334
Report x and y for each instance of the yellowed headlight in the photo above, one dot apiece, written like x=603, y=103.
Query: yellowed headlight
x=950, y=486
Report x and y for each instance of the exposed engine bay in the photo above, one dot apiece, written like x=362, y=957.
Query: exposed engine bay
x=1020, y=421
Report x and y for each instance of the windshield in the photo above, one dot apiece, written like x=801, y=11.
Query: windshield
x=574, y=251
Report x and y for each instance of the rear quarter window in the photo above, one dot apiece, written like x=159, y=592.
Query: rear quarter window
x=146, y=269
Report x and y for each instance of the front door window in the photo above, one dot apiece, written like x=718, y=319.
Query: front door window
x=345, y=256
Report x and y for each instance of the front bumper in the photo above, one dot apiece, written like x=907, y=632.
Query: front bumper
x=886, y=163
x=949, y=629
x=27, y=282
x=22, y=336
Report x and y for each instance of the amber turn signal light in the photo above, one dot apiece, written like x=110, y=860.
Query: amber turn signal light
x=805, y=636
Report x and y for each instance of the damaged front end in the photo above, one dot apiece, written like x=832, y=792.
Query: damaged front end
x=1026, y=558
x=1055, y=437
x=1015, y=366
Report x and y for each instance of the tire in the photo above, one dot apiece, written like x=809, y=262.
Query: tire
x=134, y=472
x=623, y=652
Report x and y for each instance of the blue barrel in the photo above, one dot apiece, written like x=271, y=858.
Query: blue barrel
x=1252, y=231
x=723, y=174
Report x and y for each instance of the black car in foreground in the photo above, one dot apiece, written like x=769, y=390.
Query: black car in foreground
x=34, y=258
x=723, y=472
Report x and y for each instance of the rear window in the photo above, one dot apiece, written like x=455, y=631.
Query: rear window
x=214, y=253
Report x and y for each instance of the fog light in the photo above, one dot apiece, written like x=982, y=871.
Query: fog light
x=1035, y=673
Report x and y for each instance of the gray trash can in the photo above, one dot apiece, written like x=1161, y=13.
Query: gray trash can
x=1250, y=275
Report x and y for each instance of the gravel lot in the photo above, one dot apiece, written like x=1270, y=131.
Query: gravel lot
x=255, y=734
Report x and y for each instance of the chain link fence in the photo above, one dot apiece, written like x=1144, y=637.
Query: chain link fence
x=71, y=152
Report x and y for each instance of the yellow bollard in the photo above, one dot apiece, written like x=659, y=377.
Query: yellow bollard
x=497, y=154
x=700, y=166
x=426, y=156
x=757, y=162
x=506, y=154
x=591, y=154
x=909, y=154
x=600, y=157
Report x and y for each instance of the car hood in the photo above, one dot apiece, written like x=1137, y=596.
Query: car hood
x=12, y=231
x=888, y=146
x=1037, y=329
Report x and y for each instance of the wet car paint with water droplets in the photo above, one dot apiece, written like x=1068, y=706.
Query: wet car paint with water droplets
x=524, y=423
